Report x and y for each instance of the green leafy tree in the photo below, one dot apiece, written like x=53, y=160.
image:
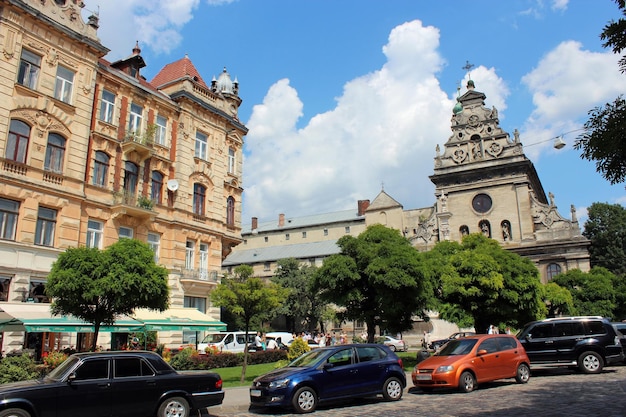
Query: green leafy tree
x=592, y=291
x=602, y=140
x=247, y=297
x=99, y=285
x=377, y=278
x=558, y=300
x=478, y=279
x=303, y=306
x=606, y=229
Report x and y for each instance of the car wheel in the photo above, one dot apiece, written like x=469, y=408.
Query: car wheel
x=467, y=382
x=14, y=412
x=304, y=400
x=392, y=389
x=174, y=407
x=590, y=363
x=523, y=374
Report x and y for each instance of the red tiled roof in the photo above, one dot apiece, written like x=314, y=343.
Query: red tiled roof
x=176, y=70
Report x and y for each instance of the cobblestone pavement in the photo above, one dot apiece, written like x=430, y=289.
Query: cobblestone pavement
x=557, y=392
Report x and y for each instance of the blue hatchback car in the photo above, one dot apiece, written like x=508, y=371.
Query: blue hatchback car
x=331, y=373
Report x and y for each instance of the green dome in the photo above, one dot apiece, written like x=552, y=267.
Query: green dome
x=458, y=108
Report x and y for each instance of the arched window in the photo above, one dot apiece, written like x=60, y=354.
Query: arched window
x=55, y=153
x=17, y=145
x=100, y=169
x=131, y=176
x=230, y=211
x=485, y=227
x=156, y=191
x=199, y=195
x=552, y=271
x=464, y=230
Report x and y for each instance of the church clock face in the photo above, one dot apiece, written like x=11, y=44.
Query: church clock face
x=481, y=203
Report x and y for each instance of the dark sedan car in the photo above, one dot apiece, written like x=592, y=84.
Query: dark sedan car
x=331, y=373
x=120, y=384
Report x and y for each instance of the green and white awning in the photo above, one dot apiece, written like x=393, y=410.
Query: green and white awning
x=179, y=319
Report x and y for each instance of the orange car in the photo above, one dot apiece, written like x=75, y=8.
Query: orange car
x=465, y=363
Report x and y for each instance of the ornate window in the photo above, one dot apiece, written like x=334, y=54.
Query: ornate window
x=199, y=195
x=231, y=161
x=107, y=106
x=100, y=169
x=230, y=211
x=552, y=271
x=189, y=252
x=30, y=65
x=154, y=240
x=156, y=191
x=46, y=223
x=131, y=176
x=9, y=211
x=17, y=145
x=64, y=84
x=125, y=232
x=202, y=146
x=94, y=234
x=135, y=119
x=481, y=203
x=55, y=153
x=161, y=130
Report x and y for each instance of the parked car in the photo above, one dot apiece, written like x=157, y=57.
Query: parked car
x=586, y=342
x=621, y=327
x=234, y=342
x=436, y=344
x=284, y=338
x=466, y=362
x=331, y=373
x=396, y=345
x=121, y=384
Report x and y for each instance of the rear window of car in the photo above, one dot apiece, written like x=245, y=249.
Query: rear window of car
x=130, y=367
x=594, y=327
x=507, y=343
x=573, y=328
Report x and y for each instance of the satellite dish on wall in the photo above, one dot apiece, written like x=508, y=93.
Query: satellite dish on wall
x=172, y=185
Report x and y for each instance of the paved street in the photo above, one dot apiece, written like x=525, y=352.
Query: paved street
x=548, y=393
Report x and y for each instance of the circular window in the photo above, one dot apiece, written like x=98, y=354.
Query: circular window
x=481, y=203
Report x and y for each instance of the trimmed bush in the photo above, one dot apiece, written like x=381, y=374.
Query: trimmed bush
x=297, y=348
x=18, y=368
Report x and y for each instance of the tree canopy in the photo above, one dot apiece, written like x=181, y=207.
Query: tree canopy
x=377, y=278
x=480, y=284
x=592, y=291
x=602, y=140
x=99, y=285
x=606, y=229
x=303, y=307
x=247, y=297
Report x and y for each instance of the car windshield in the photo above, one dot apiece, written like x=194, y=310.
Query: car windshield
x=457, y=347
x=308, y=359
x=58, y=372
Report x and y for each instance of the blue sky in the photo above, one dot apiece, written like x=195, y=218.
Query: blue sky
x=343, y=96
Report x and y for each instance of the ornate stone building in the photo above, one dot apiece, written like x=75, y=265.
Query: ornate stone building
x=92, y=152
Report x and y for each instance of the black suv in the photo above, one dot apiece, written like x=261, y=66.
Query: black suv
x=589, y=342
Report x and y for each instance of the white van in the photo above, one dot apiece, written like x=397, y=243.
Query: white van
x=284, y=338
x=226, y=341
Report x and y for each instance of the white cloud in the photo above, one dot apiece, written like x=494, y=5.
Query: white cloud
x=565, y=85
x=156, y=24
x=384, y=128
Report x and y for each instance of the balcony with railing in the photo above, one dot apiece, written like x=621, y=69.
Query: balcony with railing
x=127, y=203
x=142, y=144
x=199, y=278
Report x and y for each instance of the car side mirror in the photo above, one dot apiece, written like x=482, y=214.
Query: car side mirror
x=329, y=365
x=481, y=352
x=528, y=336
x=71, y=377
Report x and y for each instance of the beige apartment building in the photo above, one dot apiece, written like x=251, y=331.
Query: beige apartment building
x=92, y=152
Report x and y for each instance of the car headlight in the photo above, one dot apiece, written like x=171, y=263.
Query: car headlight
x=280, y=383
x=446, y=368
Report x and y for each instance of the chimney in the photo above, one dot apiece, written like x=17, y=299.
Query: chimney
x=362, y=206
x=281, y=220
x=255, y=223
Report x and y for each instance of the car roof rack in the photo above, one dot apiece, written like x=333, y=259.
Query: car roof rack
x=574, y=318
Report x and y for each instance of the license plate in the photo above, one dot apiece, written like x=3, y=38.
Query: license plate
x=255, y=392
x=424, y=377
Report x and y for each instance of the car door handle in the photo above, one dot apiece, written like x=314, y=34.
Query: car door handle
x=549, y=342
x=104, y=385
